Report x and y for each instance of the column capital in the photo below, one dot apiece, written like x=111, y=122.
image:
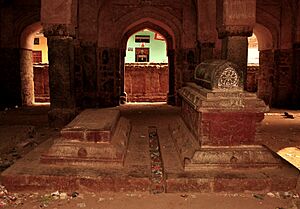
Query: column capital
x=58, y=30
x=234, y=30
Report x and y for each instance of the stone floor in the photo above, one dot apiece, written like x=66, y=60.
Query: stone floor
x=277, y=132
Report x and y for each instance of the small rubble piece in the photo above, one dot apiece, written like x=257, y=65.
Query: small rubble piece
x=59, y=195
x=6, y=198
x=289, y=194
x=287, y=115
x=74, y=194
x=270, y=194
x=258, y=196
x=184, y=195
x=157, y=172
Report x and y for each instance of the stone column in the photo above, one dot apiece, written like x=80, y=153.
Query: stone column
x=61, y=74
x=206, y=51
x=206, y=33
x=235, y=21
x=296, y=69
x=123, y=96
x=266, y=75
x=171, y=60
x=27, y=83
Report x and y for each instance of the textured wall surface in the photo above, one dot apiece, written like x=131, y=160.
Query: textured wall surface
x=146, y=83
x=103, y=28
x=41, y=83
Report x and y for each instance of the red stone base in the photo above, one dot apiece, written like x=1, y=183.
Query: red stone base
x=95, y=136
x=248, y=180
x=31, y=175
x=232, y=157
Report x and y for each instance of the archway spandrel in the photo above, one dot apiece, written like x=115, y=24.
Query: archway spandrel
x=56, y=12
x=154, y=15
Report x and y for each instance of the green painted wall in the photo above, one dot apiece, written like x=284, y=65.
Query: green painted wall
x=158, y=48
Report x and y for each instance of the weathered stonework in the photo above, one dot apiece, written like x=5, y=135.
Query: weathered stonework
x=95, y=137
x=61, y=75
x=235, y=22
x=223, y=119
x=252, y=78
x=86, y=75
x=266, y=76
x=108, y=75
x=283, y=79
x=296, y=79
x=191, y=30
x=146, y=83
x=41, y=83
x=190, y=61
x=27, y=77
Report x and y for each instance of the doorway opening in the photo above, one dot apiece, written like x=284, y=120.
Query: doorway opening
x=146, y=70
x=253, y=64
x=34, y=66
x=40, y=68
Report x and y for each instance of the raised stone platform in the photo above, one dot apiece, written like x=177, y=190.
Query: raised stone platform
x=94, y=136
x=31, y=175
x=283, y=178
x=213, y=169
x=93, y=125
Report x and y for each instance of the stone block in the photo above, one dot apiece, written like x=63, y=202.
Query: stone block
x=238, y=185
x=94, y=137
x=96, y=125
x=232, y=157
x=185, y=143
x=188, y=185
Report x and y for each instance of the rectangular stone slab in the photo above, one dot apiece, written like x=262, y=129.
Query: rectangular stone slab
x=96, y=125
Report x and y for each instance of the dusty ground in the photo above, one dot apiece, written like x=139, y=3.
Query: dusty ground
x=23, y=129
x=162, y=201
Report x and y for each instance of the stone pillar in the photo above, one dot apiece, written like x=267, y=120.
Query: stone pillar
x=27, y=84
x=207, y=34
x=283, y=79
x=296, y=69
x=266, y=75
x=108, y=76
x=61, y=74
x=123, y=96
x=206, y=51
x=171, y=60
x=235, y=21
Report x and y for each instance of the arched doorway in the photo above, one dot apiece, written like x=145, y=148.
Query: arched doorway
x=168, y=57
x=34, y=65
x=265, y=72
x=253, y=64
x=146, y=67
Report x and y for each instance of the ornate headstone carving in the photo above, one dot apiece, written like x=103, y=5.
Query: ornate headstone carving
x=228, y=79
x=219, y=75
